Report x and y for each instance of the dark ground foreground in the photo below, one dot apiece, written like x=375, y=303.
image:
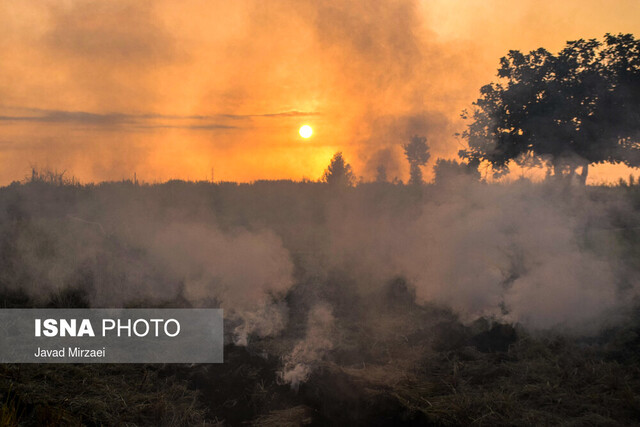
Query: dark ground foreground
x=441, y=374
x=535, y=382
x=392, y=361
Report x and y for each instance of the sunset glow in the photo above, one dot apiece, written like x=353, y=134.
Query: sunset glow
x=104, y=90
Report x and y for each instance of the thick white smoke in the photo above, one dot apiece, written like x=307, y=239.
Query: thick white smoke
x=123, y=257
x=539, y=255
x=247, y=273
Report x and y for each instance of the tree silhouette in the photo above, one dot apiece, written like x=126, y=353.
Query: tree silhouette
x=381, y=174
x=338, y=173
x=569, y=110
x=449, y=170
x=417, y=152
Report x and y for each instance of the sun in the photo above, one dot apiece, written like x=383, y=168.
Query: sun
x=306, y=131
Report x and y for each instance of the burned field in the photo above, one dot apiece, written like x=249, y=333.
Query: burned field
x=453, y=304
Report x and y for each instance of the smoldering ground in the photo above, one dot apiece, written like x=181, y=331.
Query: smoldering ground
x=321, y=271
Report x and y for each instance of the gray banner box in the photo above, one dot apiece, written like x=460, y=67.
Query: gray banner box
x=200, y=339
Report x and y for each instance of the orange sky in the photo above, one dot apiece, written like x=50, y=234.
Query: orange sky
x=171, y=89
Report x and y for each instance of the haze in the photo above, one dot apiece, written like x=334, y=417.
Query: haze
x=218, y=90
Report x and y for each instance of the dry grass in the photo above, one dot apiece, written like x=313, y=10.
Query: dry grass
x=99, y=395
x=535, y=382
x=10, y=410
x=290, y=417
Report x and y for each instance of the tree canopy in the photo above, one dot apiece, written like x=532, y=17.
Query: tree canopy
x=339, y=172
x=417, y=152
x=445, y=170
x=568, y=110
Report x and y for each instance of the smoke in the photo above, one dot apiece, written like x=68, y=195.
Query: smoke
x=247, y=273
x=506, y=252
x=125, y=252
x=160, y=91
x=149, y=65
x=523, y=253
x=391, y=71
x=309, y=352
x=276, y=255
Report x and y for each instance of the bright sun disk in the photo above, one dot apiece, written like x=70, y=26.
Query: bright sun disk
x=306, y=131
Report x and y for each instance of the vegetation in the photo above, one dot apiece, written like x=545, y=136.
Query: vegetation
x=75, y=395
x=450, y=170
x=570, y=109
x=394, y=362
x=417, y=152
x=338, y=173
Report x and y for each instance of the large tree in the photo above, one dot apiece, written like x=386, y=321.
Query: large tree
x=569, y=110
